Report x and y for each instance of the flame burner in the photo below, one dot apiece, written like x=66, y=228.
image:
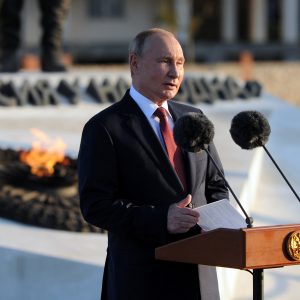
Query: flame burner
x=49, y=201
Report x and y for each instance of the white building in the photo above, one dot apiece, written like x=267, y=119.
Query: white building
x=99, y=30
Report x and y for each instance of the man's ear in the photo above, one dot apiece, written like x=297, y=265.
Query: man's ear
x=133, y=62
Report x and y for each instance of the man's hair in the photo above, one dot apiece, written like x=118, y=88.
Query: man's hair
x=138, y=43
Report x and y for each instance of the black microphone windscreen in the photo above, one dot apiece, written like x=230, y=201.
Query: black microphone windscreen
x=250, y=129
x=193, y=132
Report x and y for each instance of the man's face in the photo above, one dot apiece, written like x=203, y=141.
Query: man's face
x=158, y=72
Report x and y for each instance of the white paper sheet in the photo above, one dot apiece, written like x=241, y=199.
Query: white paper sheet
x=220, y=214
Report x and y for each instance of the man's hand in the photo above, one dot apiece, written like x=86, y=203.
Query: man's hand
x=180, y=217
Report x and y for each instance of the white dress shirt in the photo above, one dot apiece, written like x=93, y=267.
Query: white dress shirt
x=148, y=108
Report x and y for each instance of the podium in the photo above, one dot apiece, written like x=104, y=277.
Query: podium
x=254, y=248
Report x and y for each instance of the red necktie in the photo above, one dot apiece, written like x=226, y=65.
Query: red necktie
x=174, y=153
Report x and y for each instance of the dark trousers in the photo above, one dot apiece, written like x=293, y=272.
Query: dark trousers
x=53, y=13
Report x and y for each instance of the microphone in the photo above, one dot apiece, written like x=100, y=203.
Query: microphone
x=250, y=129
x=193, y=132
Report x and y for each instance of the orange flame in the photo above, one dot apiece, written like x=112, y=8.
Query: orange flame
x=44, y=154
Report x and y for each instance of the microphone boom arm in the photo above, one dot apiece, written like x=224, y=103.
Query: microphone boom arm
x=269, y=154
x=249, y=220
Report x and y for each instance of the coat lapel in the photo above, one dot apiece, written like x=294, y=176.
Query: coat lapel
x=138, y=124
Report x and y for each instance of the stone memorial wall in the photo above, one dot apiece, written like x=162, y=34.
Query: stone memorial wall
x=194, y=90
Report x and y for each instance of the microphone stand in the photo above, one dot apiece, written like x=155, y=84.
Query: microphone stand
x=290, y=186
x=249, y=220
x=258, y=274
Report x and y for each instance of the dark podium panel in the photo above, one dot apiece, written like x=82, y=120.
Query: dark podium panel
x=246, y=248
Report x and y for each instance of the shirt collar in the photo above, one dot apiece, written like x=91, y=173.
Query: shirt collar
x=146, y=105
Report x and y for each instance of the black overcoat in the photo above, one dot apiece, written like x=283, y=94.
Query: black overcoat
x=126, y=184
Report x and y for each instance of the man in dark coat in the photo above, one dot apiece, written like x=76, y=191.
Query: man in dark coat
x=130, y=185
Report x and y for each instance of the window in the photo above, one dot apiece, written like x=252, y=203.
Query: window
x=106, y=9
x=206, y=19
x=274, y=7
x=243, y=21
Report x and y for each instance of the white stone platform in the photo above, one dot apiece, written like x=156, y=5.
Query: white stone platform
x=46, y=264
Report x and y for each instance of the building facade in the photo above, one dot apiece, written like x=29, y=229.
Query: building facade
x=211, y=30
